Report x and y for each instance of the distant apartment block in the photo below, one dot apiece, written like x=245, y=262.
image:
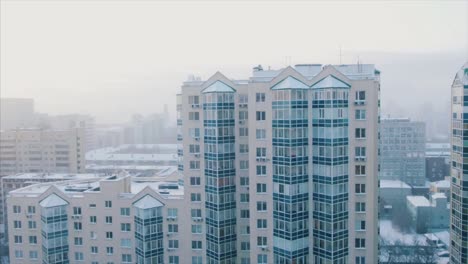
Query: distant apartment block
x=459, y=169
x=66, y=122
x=110, y=220
x=437, y=161
x=16, y=113
x=283, y=165
x=402, y=151
x=41, y=151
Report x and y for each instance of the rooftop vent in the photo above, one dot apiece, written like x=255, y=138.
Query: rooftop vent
x=258, y=68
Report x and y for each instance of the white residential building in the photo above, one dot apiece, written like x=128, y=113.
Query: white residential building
x=110, y=220
x=283, y=165
x=46, y=151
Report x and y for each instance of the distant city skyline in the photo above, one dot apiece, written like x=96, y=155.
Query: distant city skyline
x=134, y=60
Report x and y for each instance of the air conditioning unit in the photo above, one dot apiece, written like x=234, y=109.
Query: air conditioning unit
x=264, y=248
x=197, y=138
x=195, y=105
x=261, y=159
x=170, y=249
x=197, y=155
x=242, y=105
x=29, y=215
x=241, y=122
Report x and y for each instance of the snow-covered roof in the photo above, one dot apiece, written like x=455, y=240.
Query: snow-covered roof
x=330, y=82
x=219, y=87
x=53, y=200
x=289, y=83
x=50, y=176
x=393, y=184
x=147, y=202
x=418, y=201
x=438, y=195
x=441, y=184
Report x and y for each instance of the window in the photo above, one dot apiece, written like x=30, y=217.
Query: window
x=196, y=229
x=126, y=243
x=243, y=148
x=92, y=205
x=245, y=246
x=243, y=115
x=360, y=260
x=172, y=212
x=261, y=241
x=33, y=254
x=244, y=181
x=18, y=239
x=125, y=227
x=260, y=134
x=16, y=209
x=260, y=97
x=360, y=225
x=261, y=188
x=244, y=198
x=360, y=207
x=108, y=204
x=245, y=214
x=360, y=170
x=195, y=212
x=360, y=114
x=243, y=132
x=244, y=230
x=17, y=224
x=261, y=170
x=173, y=228
x=195, y=181
x=126, y=258
x=360, y=242
x=109, y=235
x=261, y=223
x=194, y=99
x=18, y=253
x=79, y=256
x=245, y=260
x=261, y=152
x=173, y=259
x=31, y=209
x=244, y=164
x=194, y=116
x=360, y=133
x=360, y=96
x=260, y=115
x=93, y=219
x=125, y=211
x=194, y=148
x=33, y=240
x=76, y=210
x=78, y=226
x=78, y=241
x=262, y=259
x=108, y=219
x=196, y=244
x=93, y=235
x=197, y=260
x=360, y=152
x=32, y=224
x=194, y=132
x=173, y=244
x=261, y=206
x=94, y=250
x=360, y=188
x=109, y=250
x=195, y=197
x=194, y=164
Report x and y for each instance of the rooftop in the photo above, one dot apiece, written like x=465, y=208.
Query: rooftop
x=393, y=184
x=51, y=176
x=150, y=152
x=441, y=184
x=79, y=188
x=418, y=201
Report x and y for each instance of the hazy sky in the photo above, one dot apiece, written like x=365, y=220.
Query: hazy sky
x=115, y=58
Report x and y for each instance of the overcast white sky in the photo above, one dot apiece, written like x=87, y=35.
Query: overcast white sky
x=115, y=58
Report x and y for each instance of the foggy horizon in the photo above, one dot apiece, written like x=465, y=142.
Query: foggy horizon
x=136, y=59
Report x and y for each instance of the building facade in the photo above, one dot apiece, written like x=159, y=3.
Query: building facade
x=459, y=169
x=110, y=220
x=44, y=151
x=284, y=165
x=403, y=151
